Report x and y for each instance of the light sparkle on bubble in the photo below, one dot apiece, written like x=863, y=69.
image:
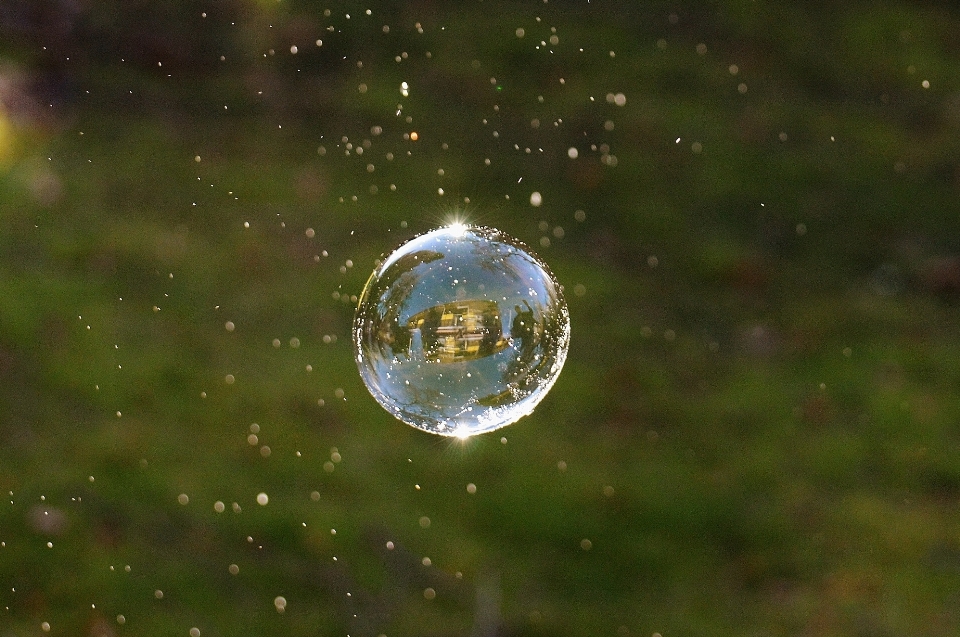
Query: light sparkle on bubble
x=461, y=331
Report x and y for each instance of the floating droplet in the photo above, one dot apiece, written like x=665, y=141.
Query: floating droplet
x=461, y=331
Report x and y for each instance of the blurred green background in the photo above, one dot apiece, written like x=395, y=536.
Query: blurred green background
x=754, y=210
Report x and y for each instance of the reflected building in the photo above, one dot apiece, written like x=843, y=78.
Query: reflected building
x=456, y=331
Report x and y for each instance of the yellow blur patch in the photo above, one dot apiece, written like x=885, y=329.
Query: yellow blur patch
x=6, y=140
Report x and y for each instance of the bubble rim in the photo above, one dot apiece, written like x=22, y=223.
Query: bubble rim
x=491, y=234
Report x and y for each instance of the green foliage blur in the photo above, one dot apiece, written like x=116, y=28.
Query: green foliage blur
x=754, y=210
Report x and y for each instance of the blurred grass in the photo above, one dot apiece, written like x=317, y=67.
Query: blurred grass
x=756, y=431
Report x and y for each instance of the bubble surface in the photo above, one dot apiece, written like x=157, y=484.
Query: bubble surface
x=461, y=331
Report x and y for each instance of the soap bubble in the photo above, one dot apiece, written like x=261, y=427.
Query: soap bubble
x=461, y=331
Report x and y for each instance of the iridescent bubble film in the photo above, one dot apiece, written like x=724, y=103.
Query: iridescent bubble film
x=461, y=331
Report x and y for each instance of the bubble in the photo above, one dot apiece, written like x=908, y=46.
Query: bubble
x=461, y=331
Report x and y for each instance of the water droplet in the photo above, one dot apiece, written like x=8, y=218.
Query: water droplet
x=461, y=331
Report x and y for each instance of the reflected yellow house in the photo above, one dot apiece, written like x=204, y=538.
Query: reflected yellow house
x=457, y=331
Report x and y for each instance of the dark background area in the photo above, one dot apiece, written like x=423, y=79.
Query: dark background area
x=754, y=210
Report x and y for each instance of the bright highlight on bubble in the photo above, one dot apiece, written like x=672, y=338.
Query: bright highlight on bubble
x=461, y=331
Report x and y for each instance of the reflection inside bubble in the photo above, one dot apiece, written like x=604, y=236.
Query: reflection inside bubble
x=461, y=331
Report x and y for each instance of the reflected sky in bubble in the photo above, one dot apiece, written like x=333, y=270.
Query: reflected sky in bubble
x=461, y=331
